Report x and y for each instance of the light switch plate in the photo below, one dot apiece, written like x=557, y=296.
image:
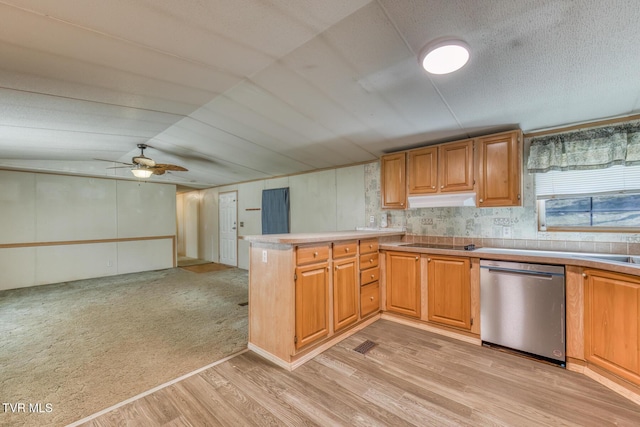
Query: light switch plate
x=506, y=232
x=264, y=256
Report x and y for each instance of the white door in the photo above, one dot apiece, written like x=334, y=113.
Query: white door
x=227, y=206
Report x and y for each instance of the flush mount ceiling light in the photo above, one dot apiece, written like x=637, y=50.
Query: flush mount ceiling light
x=141, y=172
x=444, y=56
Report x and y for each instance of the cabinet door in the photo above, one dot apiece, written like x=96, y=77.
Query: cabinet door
x=312, y=303
x=612, y=323
x=423, y=170
x=449, y=291
x=499, y=169
x=345, y=292
x=403, y=283
x=393, y=181
x=455, y=165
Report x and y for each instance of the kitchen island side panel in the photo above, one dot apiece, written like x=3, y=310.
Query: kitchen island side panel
x=272, y=299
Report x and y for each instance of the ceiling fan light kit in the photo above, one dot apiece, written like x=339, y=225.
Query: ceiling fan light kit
x=141, y=172
x=444, y=55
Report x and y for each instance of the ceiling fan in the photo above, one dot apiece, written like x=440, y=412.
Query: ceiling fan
x=144, y=167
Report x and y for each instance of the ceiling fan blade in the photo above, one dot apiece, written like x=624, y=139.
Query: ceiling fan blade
x=169, y=167
x=158, y=171
x=120, y=167
x=114, y=161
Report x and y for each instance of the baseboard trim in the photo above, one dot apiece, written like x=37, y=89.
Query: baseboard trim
x=620, y=386
x=301, y=359
x=426, y=327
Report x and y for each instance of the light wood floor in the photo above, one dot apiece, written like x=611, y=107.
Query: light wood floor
x=411, y=377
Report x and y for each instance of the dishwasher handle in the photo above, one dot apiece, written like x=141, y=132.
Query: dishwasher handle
x=537, y=274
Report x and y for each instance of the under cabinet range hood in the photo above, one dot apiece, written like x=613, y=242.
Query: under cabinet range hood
x=442, y=200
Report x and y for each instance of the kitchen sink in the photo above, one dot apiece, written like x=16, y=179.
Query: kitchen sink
x=616, y=258
x=627, y=259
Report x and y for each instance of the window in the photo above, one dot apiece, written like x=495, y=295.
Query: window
x=618, y=211
x=593, y=200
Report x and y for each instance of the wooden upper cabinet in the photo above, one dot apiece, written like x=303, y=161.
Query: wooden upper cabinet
x=499, y=169
x=449, y=291
x=423, y=170
x=455, y=164
x=393, y=181
x=612, y=323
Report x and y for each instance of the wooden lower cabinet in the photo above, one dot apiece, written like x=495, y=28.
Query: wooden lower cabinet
x=312, y=303
x=369, y=299
x=345, y=292
x=403, y=283
x=449, y=291
x=612, y=323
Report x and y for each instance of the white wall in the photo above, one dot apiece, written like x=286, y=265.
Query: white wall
x=327, y=200
x=56, y=228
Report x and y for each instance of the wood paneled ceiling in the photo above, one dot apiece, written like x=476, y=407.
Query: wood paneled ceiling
x=249, y=89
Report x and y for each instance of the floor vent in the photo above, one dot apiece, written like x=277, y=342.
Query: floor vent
x=242, y=304
x=365, y=347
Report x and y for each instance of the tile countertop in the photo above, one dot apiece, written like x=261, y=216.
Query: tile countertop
x=330, y=236
x=516, y=255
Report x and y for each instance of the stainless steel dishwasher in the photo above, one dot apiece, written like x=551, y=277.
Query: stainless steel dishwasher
x=522, y=307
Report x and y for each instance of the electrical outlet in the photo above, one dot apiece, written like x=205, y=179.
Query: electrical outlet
x=506, y=232
x=109, y=263
x=372, y=219
x=264, y=256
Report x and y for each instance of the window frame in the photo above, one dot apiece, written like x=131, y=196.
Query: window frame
x=541, y=216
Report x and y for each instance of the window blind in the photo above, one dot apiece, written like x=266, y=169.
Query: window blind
x=616, y=179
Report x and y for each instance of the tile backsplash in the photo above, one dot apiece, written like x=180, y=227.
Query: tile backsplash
x=500, y=227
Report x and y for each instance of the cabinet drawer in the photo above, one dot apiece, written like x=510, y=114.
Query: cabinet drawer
x=368, y=246
x=369, y=299
x=343, y=249
x=370, y=275
x=368, y=261
x=308, y=254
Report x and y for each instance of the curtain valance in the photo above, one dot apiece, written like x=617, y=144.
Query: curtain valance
x=596, y=148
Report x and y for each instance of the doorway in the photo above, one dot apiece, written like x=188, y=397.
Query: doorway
x=228, y=210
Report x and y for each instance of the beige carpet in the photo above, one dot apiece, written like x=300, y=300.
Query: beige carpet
x=79, y=347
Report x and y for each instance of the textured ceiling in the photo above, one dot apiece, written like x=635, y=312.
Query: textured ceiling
x=249, y=89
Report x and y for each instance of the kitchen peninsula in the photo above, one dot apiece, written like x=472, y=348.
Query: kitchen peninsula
x=307, y=291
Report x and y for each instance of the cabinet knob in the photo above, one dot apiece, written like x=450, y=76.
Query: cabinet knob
x=336, y=268
x=428, y=259
x=481, y=200
x=584, y=275
x=433, y=186
x=442, y=186
x=417, y=258
x=371, y=260
x=315, y=254
x=370, y=246
x=401, y=203
x=372, y=276
x=346, y=249
x=371, y=298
